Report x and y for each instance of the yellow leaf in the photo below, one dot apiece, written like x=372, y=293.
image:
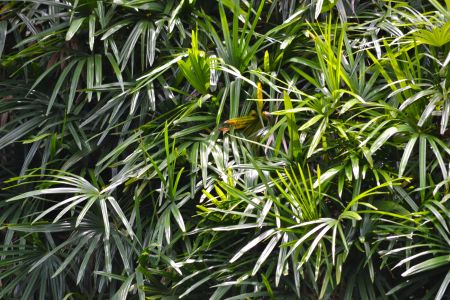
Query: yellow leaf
x=259, y=95
x=242, y=122
x=266, y=62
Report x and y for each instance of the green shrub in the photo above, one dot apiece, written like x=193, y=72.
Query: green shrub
x=224, y=149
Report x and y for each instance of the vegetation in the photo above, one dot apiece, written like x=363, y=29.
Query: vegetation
x=224, y=149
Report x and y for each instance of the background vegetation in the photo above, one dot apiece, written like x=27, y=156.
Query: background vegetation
x=224, y=149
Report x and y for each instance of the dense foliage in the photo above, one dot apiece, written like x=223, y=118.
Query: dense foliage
x=224, y=149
